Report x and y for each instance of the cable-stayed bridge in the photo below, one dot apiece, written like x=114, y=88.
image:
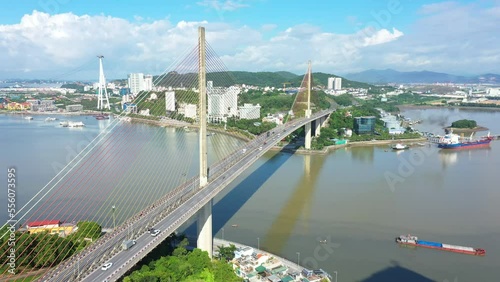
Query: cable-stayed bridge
x=167, y=207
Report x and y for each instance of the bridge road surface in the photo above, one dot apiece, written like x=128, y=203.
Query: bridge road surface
x=126, y=259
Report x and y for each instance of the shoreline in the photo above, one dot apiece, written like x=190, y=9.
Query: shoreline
x=330, y=148
x=427, y=107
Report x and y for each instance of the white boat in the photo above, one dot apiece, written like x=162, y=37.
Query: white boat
x=76, y=124
x=399, y=146
x=50, y=119
x=64, y=123
x=28, y=118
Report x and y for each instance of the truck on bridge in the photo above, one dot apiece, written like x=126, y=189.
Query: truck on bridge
x=127, y=244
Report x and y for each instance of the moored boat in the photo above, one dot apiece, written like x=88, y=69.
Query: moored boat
x=399, y=146
x=411, y=240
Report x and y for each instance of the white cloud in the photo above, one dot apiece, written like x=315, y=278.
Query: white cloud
x=382, y=36
x=227, y=5
x=452, y=40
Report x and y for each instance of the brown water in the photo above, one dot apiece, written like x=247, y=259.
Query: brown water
x=357, y=199
x=360, y=199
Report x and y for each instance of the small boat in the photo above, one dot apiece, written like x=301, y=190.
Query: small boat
x=75, y=124
x=399, y=146
x=101, y=116
x=50, y=119
x=234, y=225
x=28, y=118
x=322, y=241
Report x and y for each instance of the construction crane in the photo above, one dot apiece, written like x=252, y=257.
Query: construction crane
x=284, y=86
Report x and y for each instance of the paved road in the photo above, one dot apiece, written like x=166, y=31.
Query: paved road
x=167, y=214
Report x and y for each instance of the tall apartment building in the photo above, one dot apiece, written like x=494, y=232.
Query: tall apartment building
x=222, y=102
x=331, y=80
x=138, y=82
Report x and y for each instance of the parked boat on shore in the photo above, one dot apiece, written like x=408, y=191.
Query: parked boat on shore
x=414, y=241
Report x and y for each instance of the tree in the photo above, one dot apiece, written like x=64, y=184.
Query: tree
x=464, y=123
x=226, y=253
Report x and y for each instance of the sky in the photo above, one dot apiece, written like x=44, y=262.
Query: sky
x=60, y=39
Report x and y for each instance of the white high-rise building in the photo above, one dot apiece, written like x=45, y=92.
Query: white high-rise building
x=330, y=83
x=170, y=101
x=338, y=84
x=222, y=102
x=136, y=82
x=148, y=82
x=188, y=110
x=249, y=111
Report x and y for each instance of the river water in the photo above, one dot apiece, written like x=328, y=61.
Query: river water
x=358, y=199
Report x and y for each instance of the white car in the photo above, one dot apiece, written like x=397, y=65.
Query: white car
x=106, y=266
x=260, y=148
x=155, y=232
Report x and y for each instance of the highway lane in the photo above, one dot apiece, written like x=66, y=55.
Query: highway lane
x=222, y=174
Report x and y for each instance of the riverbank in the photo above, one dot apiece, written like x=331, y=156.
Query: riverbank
x=467, y=130
x=293, y=269
x=425, y=107
x=291, y=148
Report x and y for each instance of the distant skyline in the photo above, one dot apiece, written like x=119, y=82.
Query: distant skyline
x=60, y=39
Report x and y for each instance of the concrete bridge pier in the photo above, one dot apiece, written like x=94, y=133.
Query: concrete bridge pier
x=205, y=237
x=307, y=131
x=318, y=124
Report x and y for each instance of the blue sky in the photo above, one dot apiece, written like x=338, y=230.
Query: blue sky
x=255, y=35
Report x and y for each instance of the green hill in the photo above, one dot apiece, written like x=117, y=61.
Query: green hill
x=275, y=79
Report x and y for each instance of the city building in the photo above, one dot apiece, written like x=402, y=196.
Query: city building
x=337, y=84
x=51, y=227
x=148, y=82
x=188, y=110
x=393, y=125
x=364, y=125
x=222, y=102
x=136, y=82
x=278, y=119
x=249, y=111
x=331, y=80
x=74, y=108
x=170, y=101
x=130, y=107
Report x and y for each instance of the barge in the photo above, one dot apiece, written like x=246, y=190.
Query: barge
x=411, y=240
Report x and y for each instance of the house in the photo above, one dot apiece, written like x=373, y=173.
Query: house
x=51, y=227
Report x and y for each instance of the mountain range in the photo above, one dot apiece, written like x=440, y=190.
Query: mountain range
x=393, y=76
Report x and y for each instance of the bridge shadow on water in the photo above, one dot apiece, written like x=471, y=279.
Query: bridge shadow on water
x=223, y=210
x=396, y=273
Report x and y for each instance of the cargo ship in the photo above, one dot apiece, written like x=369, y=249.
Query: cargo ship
x=454, y=141
x=411, y=240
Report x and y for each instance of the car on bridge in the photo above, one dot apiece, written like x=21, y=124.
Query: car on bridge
x=154, y=232
x=106, y=266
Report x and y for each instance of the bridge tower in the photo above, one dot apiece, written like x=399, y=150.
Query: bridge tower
x=205, y=238
x=102, y=94
x=308, y=111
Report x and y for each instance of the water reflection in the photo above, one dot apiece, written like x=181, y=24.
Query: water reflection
x=448, y=158
x=363, y=154
x=299, y=204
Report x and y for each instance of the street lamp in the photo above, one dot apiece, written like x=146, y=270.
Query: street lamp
x=298, y=260
x=258, y=243
x=335, y=275
x=114, y=221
